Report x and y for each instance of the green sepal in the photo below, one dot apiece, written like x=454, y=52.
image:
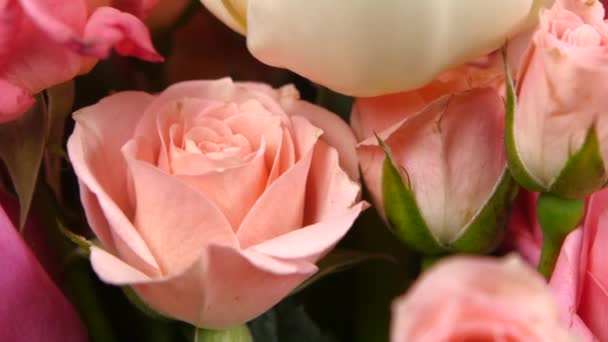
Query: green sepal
x=402, y=211
x=239, y=333
x=516, y=166
x=584, y=172
x=486, y=231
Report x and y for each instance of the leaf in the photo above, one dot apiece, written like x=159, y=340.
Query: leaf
x=516, y=166
x=22, y=144
x=340, y=260
x=486, y=231
x=402, y=211
x=287, y=322
x=61, y=100
x=584, y=172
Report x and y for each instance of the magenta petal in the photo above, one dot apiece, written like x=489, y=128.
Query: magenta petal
x=33, y=308
x=107, y=27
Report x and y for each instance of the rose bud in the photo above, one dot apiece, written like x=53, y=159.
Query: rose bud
x=478, y=299
x=444, y=186
x=556, y=125
x=213, y=199
x=370, y=48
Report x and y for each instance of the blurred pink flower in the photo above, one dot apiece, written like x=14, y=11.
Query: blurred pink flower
x=44, y=43
x=478, y=299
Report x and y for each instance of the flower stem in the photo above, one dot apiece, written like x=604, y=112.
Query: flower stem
x=558, y=217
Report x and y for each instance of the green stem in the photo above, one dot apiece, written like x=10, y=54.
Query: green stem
x=239, y=333
x=558, y=217
x=428, y=261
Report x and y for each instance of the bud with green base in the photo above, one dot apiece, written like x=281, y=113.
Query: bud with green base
x=564, y=169
x=440, y=177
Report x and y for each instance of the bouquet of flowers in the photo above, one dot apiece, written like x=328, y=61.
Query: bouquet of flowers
x=303, y=170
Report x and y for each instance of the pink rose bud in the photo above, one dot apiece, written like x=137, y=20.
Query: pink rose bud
x=33, y=308
x=556, y=129
x=213, y=199
x=43, y=43
x=478, y=299
x=446, y=187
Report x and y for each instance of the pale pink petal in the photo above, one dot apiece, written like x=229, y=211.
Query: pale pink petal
x=163, y=203
x=233, y=201
x=96, y=158
x=108, y=27
x=238, y=291
x=372, y=115
x=114, y=271
x=311, y=242
x=305, y=136
x=329, y=188
x=280, y=209
x=33, y=308
x=564, y=280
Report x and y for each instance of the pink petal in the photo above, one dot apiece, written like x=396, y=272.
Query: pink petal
x=237, y=285
x=108, y=28
x=335, y=132
x=91, y=150
x=164, y=203
x=311, y=242
x=233, y=201
x=329, y=189
x=272, y=215
x=32, y=309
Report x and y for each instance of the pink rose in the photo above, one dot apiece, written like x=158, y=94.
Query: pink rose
x=450, y=158
x=478, y=299
x=43, y=43
x=561, y=102
x=33, y=308
x=580, y=277
x=213, y=199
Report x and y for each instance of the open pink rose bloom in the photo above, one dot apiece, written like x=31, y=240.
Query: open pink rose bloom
x=202, y=170
x=220, y=198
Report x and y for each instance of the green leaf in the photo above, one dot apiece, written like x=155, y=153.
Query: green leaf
x=240, y=333
x=584, y=172
x=516, y=166
x=486, y=231
x=340, y=260
x=402, y=211
x=61, y=100
x=287, y=322
x=22, y=144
